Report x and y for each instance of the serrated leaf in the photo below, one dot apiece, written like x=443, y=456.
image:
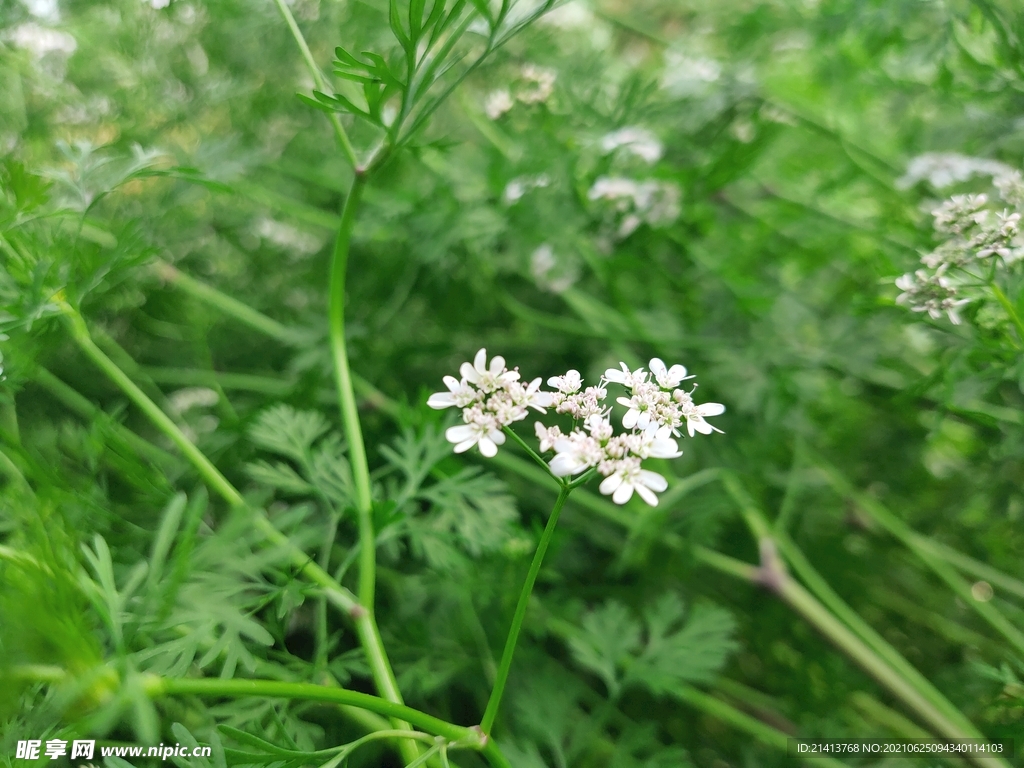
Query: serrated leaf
x=287, y=431
x=278, y=475
x=691, y=653
x=608, y=636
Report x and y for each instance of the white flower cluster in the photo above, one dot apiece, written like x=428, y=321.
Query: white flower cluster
x=535, y=87
x=942, y=169
x=974, y=235
x=656, y=203
x=491, y=397
x=552, y=273
x=634, y=141
x=656, y=409
x=929, y=292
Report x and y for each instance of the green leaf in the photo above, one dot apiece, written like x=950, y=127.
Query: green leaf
x=278, y=475
x=287, y=431
x=607, y=639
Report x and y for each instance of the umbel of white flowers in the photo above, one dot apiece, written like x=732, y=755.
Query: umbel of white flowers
x=492, y=397
x=976, y=240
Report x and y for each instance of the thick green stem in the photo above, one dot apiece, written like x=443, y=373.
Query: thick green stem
x=347, y=397
x=319, y=81
x=491, y=712
x=801, y=601
x=366, y=625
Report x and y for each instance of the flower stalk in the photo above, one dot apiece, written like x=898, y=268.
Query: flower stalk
x=494, y=702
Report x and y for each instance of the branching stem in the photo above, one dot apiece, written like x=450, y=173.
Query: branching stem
x=491, y=712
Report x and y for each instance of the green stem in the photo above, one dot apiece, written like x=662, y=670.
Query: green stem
x=369, y=634
x=337, y=594
x=1010, y=309
x=230, y=306
x=318, y=79
x=164, y=686
x=971, y=566
x=210, y=474
x=347, y=398
x=532, y=454
x=761, y=529
x=491, y=711
x=910, y=539
x=801, y=601
x=741, y=721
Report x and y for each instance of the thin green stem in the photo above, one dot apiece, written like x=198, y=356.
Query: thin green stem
x=910, y=539
x=491, y=711
x=228, y=305
x=761, y=530
x=532, y=453
x=164, y=686
x=1011, y=311
x=803, y=603
x=210, y=474
x=318, y=79
x=336, y=594
x=741, y=721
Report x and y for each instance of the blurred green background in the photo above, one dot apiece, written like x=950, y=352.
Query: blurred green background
x=769, y=150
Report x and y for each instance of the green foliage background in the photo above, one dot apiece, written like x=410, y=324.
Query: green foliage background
x=174, y=136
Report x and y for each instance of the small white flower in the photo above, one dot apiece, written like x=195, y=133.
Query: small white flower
x=636, y=141
x=465, y=436
x=539, y=84
x=941, y=169
x=487, y=378
x=567, y=384
x=498, y=103
x=623, y=483
x=668, y=378
x=695, y=418
x=547, y=436
x=459, y=394
x=625, y=377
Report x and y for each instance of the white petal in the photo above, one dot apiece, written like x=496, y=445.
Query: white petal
x=657, y=366
x=629, y=420
x=564, y=464
x=453, y=384
x=643, y=420
x=469, y=373
x=465, y=445
x=487, y=447
x=459, y=433
x=647, y=495
x=441, y=400
x=653, y=480
x=701, y=426
x=497, y=436
x=623, y=493
x=710, y=409
x=480, y=361
x=678, y=373
x=610, y=483
x=497, y=365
